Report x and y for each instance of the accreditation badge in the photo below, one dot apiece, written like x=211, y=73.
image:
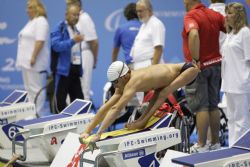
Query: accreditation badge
x=76, y=58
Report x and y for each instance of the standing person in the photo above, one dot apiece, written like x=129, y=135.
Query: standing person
x=66, y=40
x=33, y=53
x=126, y=33
x=236, y=70
x=89, y=46
x=201, y=45
x=149, y=43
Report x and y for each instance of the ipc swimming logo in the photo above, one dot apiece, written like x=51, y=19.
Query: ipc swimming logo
x=113, y=20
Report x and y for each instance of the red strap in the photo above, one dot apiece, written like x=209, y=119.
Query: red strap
x=76, y=158
x=172, y=99
x=148, y=96
x=178, y=108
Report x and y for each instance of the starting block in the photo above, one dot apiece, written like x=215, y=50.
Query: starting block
x=48, y=133
x=17, y=96
x=14, y=108
x=136, y=148
x=236, y=156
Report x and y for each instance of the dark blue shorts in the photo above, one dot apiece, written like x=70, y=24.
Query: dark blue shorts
x=205, y=91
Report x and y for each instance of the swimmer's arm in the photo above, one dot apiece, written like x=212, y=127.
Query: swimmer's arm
x=102, y=112
x=111, y=116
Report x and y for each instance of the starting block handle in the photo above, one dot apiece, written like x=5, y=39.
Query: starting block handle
x=82, y=159
x=23, y=144
x=103, y=155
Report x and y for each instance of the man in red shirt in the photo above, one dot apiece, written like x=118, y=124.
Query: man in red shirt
x=201, y=45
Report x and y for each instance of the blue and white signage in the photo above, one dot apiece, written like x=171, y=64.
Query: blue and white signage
x=133, y=154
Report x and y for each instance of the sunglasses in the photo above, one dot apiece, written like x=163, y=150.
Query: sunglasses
x=116, y=81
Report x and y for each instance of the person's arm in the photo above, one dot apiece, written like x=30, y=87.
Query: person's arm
x=60, y=40
x=116, y=44
x=37, y=49
x=94, y=45
x=194, y=44
x=157, y=54
x=115, y=52
x=101, y=114
x=111, y=116
x=245, y=44
x=158, y=41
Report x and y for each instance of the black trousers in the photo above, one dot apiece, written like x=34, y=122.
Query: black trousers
x=68, y=85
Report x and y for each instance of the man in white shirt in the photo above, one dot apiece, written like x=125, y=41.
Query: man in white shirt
x=86, y=27
x=149, y=42
x=89, y=48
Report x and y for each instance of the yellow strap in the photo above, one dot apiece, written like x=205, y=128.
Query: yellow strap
x=120, y=132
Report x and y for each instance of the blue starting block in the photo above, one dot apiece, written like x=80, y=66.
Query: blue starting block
x=237, y=155
x=48, y=133
x=77, y=107
x=17, y=96
x=135, y=148
x=13, y=108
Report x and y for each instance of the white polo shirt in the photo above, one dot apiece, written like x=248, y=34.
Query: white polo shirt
x=150, y=35
x=36, y=29
x=236, y=62
x=86, y=27
x=219, y=7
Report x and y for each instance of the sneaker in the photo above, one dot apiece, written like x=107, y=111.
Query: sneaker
x=196, y=148
x=215, y=146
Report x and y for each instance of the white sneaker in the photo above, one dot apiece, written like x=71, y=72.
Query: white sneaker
x=196, y=148
x=215, y=146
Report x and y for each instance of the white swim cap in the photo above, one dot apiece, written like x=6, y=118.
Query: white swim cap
x=116, y=70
